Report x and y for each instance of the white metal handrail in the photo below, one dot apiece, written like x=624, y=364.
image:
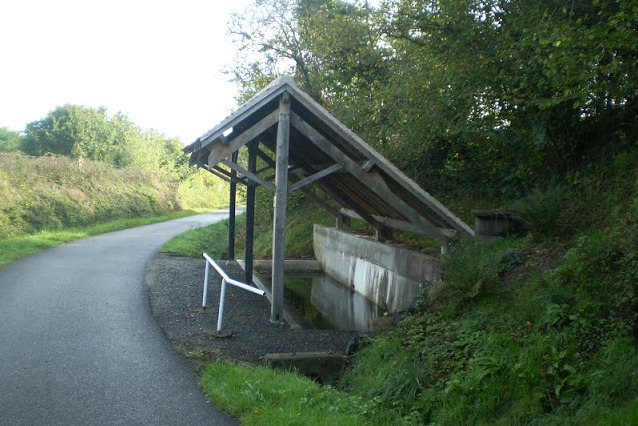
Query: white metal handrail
x=222, y=296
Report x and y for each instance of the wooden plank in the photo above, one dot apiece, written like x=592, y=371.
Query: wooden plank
x=371, y=179
x=315, y=177
x=281, y=201
x=249, y=174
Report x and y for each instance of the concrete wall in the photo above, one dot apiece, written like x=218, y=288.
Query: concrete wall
x=387, y=275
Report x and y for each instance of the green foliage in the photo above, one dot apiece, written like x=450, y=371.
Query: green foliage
x=89, y=133
x=212, y=239
x=201, y=189
x=13, y=248
x=510, y=94
x=546, y=339
x=261, y=396
x=10, y=141
x=51, y=193
x=524, y=103
x=469, y=273
x=541, y=212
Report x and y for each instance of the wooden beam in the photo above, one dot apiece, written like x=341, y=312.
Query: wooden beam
x=263, y=169
x=216, y=173
x=312, y=178
x=368, y=166
x=226, y=175
x=250, y=215
x=371, y=179
x=319, y=201
x=281, y=200
x=231, y=211
x=399, y=225
x=345, y=199
x=342, y=221
x=249, y=174
x=266, y=158
x=220, y=150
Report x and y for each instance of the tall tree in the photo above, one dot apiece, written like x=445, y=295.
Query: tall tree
x=75, y=131
x=511, y=93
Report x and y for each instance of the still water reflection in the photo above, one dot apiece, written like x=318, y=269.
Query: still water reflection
x=327, y=304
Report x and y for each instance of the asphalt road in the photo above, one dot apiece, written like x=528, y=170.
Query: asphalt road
x=78, y=343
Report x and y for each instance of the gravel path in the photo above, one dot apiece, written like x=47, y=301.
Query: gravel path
x=176, y=285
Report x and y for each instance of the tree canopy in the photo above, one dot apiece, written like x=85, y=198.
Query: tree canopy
x=9, y=140
x=83, y=132
x=512, y=94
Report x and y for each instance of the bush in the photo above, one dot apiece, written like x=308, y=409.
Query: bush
x=48, y=193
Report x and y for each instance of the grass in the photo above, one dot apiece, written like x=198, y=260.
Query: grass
x=212, y=239
x=56, y=193
x=262, y=396
x=14, y=248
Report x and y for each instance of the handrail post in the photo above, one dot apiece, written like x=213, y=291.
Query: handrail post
x=205, y=285
x=222, y=297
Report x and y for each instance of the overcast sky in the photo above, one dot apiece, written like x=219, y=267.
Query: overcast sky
x=158, y=61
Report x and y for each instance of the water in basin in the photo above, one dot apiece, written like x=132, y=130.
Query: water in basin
x=327, y=304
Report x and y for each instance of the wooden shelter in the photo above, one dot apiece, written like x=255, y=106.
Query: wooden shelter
x=303, y=144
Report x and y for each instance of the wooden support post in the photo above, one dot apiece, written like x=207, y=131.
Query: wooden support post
x=343, y=221
x=250, y=214
x=231, y=211
x=281, y=200
x=383, y=233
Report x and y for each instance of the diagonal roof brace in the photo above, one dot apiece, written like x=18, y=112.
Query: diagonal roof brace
x=315, y=177
x=251, y=176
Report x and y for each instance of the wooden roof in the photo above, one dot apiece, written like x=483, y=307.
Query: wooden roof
x=323, y=152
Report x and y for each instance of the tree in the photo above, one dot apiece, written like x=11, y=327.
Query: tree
x=81, y=132
x=536, y=85
x=327, y=45
x=74, y=131
x=10, y=141
x=509, y=93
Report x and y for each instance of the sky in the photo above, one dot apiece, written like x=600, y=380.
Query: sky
x=158, y=61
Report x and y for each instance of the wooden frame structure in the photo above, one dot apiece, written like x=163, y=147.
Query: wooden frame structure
x=308, y=146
